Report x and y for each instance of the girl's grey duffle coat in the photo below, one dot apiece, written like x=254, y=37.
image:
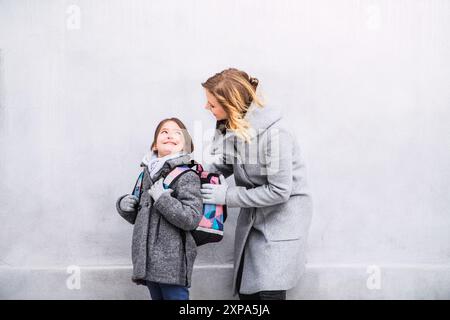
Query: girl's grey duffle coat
x=163, y=249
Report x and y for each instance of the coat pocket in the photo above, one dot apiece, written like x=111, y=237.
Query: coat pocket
x=290, y=220
x=286, y=221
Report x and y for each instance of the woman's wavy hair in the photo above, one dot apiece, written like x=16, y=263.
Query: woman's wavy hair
x=236, y=91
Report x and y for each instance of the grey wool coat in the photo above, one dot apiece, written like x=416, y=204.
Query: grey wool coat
x=159, y=252
x=276, y=207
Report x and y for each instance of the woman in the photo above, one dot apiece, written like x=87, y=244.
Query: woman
x=253, y=143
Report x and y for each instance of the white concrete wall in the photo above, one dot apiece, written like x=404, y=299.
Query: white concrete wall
x=365, y=83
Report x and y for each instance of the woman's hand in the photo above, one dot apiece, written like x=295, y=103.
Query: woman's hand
x=157, y=190
x=129, y=203
x=215, y=193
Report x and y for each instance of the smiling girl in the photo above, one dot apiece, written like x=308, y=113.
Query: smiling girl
x=163, y=249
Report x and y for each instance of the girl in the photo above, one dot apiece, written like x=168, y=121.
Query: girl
x=271, y=190
x=163, y=250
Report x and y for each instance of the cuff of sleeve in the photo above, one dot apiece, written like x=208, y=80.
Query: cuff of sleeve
x=162, y=200
x=232, y=198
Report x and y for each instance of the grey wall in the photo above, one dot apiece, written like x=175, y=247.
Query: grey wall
x=364, y=83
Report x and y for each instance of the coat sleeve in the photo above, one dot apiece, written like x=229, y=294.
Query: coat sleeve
x=277, y=153
x=130, y=216
x=184, y=211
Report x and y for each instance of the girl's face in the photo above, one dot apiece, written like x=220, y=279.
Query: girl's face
x=215, y=107
x=170, y=139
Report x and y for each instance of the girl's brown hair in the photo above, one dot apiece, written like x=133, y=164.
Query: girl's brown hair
x=188, y=144
x=235, y=90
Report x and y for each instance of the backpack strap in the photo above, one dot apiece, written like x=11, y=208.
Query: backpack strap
x=174, y=175
x=137, y=190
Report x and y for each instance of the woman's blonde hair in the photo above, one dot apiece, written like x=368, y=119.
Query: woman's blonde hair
x=235, y=90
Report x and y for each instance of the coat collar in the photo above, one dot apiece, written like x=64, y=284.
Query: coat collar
x=260, y=119
x=169, y=165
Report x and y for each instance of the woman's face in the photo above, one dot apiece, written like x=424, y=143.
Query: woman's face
x=215, y=107
x=170, y=139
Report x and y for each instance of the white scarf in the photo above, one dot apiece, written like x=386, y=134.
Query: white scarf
x=155, y=164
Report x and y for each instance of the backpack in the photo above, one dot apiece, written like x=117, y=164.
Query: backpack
x=211, y=226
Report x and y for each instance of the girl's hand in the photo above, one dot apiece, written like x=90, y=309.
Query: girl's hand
x=215, y=193
x=157, y=190
x=129, y=203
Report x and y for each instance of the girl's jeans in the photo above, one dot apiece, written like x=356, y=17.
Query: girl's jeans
x=162, y=291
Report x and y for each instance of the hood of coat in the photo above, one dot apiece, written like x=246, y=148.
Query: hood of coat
x=169, y=165
x=260, y=120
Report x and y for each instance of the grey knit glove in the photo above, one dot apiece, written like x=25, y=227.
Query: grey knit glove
x=215, y=193
x=157, y=190
x=128, y=203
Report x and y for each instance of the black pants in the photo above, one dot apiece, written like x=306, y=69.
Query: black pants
x=261, y=295
x=264, y=295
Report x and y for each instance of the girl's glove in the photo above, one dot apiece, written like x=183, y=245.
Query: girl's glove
x=157, y=190
x=215, y=193
x=128, y=203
